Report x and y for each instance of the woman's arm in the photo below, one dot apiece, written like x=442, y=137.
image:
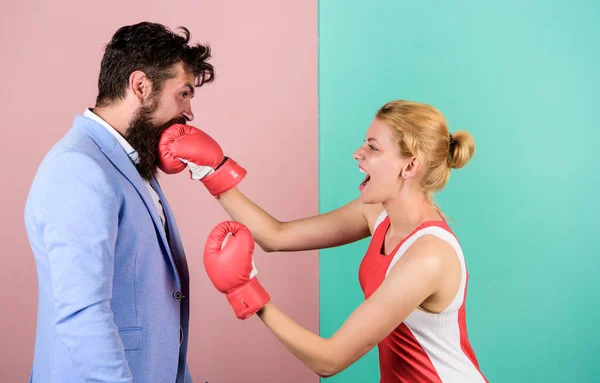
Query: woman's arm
x=415, y=277
x=183, y=144
x=338, y=227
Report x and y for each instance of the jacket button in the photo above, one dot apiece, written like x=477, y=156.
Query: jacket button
x=177, y=295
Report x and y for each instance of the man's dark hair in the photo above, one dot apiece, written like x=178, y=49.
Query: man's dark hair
x=153, y=49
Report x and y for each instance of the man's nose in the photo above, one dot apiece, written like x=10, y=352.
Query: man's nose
x=188, y=114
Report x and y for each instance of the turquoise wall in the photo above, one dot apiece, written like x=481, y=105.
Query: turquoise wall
x=524, y=79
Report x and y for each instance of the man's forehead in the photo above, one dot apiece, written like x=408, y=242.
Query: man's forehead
x=182, y=78
x=183, y=72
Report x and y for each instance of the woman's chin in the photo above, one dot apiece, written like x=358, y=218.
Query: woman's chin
x=366, y=198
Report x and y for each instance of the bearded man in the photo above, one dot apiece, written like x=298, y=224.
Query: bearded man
x=112, y=275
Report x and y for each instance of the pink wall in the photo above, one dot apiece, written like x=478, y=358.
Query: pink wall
x=263, y=111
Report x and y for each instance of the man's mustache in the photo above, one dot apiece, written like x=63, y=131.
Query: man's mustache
x=173, y=121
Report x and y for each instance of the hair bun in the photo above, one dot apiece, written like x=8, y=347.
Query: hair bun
x=461, y=149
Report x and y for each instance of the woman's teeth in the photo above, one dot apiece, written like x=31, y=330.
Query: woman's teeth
x=365, y=181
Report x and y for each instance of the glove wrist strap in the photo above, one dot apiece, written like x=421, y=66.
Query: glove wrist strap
x=248, y=299
x=227, y=175
x=222, y=162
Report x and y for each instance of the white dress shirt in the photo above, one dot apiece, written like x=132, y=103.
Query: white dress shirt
x=133, y=155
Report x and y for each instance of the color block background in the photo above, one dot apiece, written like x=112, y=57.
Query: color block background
x=523, y=78
x=262, y=109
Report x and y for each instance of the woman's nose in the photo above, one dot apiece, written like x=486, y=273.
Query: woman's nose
x=359, y=154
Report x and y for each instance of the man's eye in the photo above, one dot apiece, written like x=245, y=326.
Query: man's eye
x=184, y=94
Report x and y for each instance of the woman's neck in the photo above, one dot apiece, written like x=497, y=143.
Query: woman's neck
x=407, y=212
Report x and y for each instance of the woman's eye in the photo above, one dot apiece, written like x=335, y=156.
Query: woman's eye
x=369, y=145
x=184, y=94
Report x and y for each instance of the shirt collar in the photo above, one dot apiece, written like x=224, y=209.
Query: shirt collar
x=133, y=155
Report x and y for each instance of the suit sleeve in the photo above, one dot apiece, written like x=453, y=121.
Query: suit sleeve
x=77, y=211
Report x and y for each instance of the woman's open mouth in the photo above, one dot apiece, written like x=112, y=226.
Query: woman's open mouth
x=365, y=181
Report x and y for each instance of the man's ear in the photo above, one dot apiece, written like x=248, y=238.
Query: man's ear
x=140, y=85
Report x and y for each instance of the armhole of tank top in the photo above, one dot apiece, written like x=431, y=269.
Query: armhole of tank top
x=448, y=237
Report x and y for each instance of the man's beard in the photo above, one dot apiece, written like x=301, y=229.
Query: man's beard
x=144, y=134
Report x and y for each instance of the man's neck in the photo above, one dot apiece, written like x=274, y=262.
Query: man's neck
x=116, y=116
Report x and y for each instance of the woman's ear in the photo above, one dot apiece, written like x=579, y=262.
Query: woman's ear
x=411, y=169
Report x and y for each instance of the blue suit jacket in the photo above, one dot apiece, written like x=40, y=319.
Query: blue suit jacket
x=113, y=283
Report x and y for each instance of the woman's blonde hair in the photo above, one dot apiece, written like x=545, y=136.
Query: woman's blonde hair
x=422, y=131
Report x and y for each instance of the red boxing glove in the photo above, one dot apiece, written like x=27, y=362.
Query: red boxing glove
x=229, y=265
x=182, y=145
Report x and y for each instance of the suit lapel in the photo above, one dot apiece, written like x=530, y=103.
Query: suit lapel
x=117, y=156
x=173, y=232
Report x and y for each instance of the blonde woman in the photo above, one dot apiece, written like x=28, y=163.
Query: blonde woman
x=413, y=274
